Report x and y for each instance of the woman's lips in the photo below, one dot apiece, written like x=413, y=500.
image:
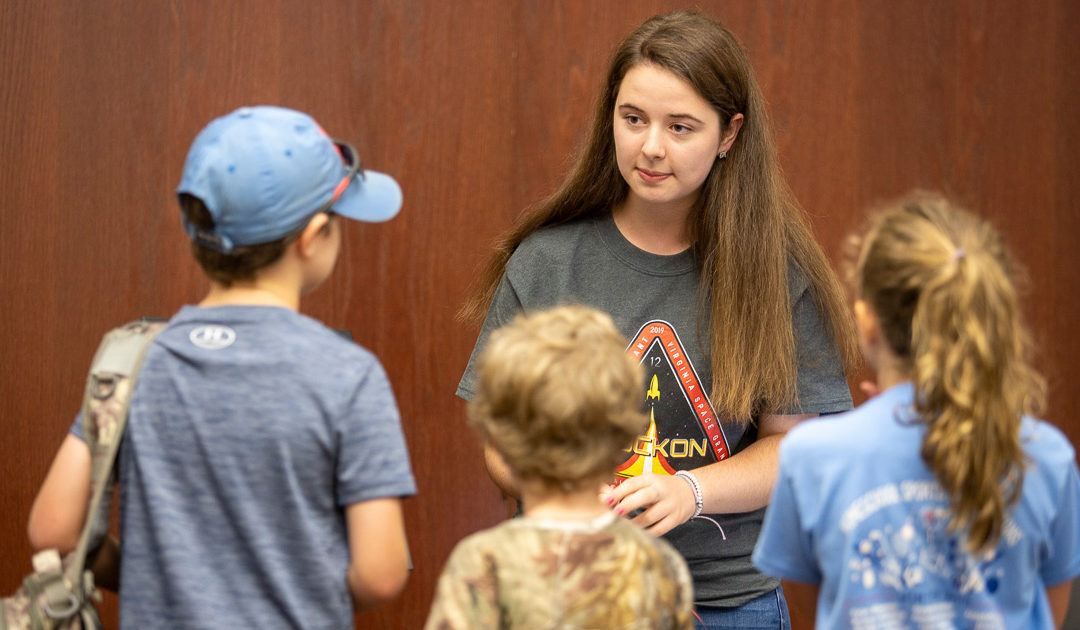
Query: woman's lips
x=652, y=177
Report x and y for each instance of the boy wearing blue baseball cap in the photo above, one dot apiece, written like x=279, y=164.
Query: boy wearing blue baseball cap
x=263, y=464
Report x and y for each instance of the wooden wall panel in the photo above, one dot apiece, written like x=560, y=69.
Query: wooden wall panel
x=476, y=107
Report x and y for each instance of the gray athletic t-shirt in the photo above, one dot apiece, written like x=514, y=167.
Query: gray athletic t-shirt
x=251, y=428
x=654, y=302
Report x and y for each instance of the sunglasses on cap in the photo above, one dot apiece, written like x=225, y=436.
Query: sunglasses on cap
x=355, y=167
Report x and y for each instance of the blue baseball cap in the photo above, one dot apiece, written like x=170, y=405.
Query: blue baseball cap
x=264, y=171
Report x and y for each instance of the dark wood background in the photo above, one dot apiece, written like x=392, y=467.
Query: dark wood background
x=476, y=106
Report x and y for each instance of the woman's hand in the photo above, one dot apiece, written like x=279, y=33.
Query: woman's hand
x=667, y=501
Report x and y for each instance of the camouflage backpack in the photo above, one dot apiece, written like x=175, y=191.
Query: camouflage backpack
x=60, y=593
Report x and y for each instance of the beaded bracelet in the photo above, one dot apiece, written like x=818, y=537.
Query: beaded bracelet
x=689, y=478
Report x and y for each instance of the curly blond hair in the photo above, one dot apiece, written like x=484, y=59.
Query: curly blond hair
x=558, y=396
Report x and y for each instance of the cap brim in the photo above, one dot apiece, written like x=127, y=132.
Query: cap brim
x=372, y=197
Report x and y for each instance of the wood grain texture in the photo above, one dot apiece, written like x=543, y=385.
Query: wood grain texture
x=476, y=108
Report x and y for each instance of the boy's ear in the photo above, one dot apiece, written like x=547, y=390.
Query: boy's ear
x=308, y=239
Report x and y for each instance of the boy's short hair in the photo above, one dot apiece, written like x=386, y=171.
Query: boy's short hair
x=558, y=396
x=239, y=264
x=259, y=174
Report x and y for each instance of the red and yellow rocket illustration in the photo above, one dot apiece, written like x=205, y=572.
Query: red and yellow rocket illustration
x=646, y=457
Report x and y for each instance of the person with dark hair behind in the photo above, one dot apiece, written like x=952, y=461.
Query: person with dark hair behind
x=263, y=462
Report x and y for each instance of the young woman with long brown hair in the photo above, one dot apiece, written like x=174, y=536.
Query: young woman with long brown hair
x=676, y=221
x=939, y=499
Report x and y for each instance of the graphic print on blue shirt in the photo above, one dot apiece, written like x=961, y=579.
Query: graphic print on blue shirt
x=920, y=551
x=683, y=432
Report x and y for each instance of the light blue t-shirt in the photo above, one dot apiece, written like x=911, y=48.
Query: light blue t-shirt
x=857, y=511
x=251, y=428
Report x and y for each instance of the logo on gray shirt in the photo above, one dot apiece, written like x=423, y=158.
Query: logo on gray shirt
x=213, y=337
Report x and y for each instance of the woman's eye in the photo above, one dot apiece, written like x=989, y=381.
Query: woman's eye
x=680, y=128
x=633, y=119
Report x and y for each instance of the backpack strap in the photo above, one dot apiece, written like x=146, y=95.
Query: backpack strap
x=109, y=386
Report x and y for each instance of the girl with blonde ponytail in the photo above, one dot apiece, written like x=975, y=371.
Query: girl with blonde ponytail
x=940, y=498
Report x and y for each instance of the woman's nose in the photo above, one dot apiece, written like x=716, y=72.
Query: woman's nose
x=653, y=146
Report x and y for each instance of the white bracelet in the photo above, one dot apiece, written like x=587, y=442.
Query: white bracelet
x=689, y=478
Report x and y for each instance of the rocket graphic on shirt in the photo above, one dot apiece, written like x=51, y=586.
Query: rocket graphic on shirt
x=683, y=431
x=646, y=458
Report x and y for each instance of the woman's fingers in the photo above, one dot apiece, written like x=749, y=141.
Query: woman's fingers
x=630, y=496
x=660, y=499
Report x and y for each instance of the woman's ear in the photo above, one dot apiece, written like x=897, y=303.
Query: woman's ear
x=308, y=240
x=730, y=133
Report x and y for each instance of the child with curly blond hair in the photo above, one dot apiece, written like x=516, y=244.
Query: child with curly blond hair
x=558, y=399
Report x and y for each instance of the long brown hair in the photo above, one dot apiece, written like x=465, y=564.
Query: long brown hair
x=746, y=227
x=941, y=282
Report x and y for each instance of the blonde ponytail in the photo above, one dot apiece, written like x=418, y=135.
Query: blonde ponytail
x=943, y=280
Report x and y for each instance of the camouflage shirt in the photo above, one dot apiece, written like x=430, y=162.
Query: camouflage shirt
x=540, y=575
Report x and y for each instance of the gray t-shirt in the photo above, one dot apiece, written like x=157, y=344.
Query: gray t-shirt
x=251, y=428
x=654, y=302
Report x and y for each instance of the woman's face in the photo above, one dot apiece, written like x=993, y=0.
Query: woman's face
x=666, y=136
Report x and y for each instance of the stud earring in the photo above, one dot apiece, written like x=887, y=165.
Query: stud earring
x=723, y=154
